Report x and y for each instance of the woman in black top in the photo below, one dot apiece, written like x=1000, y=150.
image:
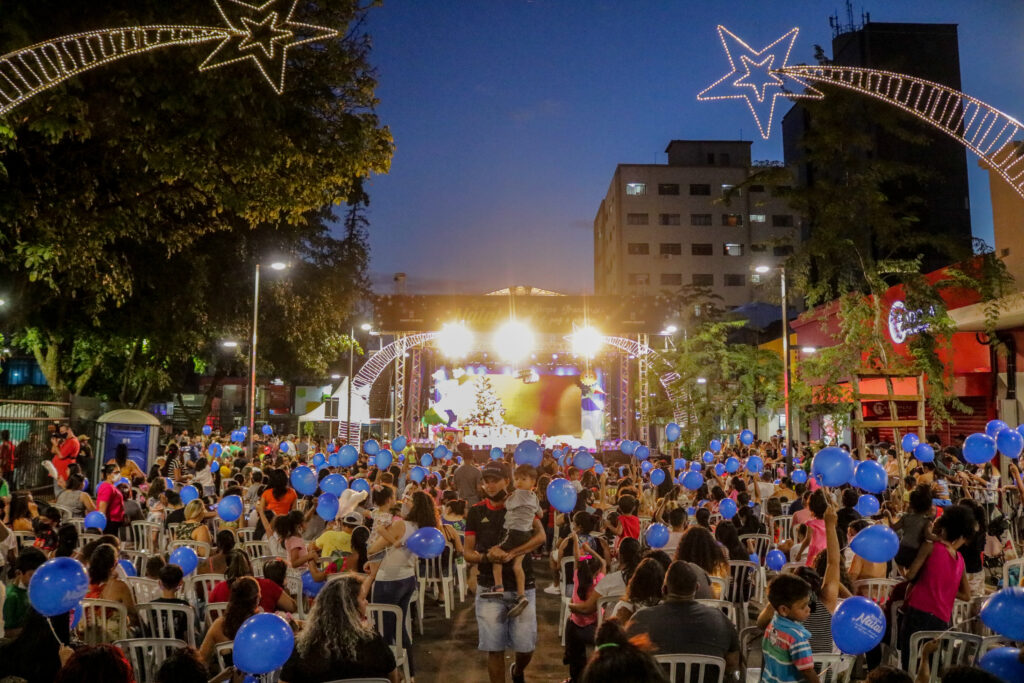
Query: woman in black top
x=337, y=642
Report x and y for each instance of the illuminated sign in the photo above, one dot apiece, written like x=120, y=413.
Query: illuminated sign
x=903, y=323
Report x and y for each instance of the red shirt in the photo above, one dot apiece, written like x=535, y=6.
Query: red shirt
x=68, y=452
x=269, y=594
x=630, y=526
x=6, y=456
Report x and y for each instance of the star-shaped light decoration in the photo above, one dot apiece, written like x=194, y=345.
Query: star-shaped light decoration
x=262, y=33
x=760, y=78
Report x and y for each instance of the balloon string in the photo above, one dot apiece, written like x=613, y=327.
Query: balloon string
x=49, y=622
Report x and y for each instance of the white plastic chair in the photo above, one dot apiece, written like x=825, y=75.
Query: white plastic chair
x=955, y=649
x=256, y=548
x=157, y=619
x=758, y=543
x=202, y=548
x=147, y=536
x=222, y=653
x=143, y=589
x=199, y=586
x=376, y=613
x=726, y=607
x=213, y=611
x=65, y=512
x=605, y=603
x=1019, y=564
x=147, y=654
x=245, y=534
x=839, y=666
x=684, y=668
x=439, y=576
x=782, y=527
x=723, y=586
x=566, y=568
x=877, y=590
x=103, y=621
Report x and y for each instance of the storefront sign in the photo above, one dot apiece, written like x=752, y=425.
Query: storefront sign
x=903, y=323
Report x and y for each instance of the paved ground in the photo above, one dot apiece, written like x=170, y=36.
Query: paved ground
x=446, y=652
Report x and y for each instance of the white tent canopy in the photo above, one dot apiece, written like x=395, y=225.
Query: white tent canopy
x=129, y=417
x=360, y=407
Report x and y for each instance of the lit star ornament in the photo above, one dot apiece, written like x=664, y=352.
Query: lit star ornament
x=759, y=78
x=262, y=33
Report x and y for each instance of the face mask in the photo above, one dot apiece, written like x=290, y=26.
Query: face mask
x=499, y=496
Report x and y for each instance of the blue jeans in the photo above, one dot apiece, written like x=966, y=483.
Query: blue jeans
x=398, y=593
x=497, y=632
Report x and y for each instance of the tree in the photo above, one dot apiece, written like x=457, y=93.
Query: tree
x=488, y=411
x=138, y=197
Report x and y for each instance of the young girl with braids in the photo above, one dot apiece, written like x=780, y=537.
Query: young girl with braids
x=621, y=659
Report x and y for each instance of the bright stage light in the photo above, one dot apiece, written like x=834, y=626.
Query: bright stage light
x=455, y=340
x=587, y=341
x=671, y=329
x=513, y=341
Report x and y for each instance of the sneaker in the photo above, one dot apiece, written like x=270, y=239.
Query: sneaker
x=521, y=604
x=553, y=589
x=493, y=592
x=517, y=676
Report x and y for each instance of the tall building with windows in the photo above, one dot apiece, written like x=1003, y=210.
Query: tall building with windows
x=663, y=226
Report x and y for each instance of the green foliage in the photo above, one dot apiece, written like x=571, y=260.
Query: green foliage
x=137, y=198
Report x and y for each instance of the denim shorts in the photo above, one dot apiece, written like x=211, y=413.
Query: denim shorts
x=497, y=632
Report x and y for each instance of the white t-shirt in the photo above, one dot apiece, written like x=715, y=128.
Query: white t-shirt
x=766, y=489
x=611, y=585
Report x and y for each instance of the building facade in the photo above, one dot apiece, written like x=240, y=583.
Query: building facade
x=662, y=227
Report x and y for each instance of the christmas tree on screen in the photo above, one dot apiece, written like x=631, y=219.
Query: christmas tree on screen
x=488, y=411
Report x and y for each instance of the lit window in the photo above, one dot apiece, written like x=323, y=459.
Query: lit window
x=758, y=218
x=668, y=219
x=755, y=278
x=732, y=220
x=639, y=248
x=731, y=249
x=636, y=219
x=636, y=189
x=735, y=280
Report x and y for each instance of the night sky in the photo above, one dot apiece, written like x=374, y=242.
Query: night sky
x=509, y=117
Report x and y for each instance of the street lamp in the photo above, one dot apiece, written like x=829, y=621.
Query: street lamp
x=785, y=356
x=275, y=265
x=229, y=344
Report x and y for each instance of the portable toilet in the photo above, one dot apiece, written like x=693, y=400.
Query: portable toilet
x=136, y=429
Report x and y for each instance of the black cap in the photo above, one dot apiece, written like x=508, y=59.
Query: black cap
x=495, y=469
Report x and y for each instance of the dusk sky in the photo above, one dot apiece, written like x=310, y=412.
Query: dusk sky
x=509, y=117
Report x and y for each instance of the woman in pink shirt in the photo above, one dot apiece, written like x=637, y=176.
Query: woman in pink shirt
x=109, y=500
x=937, y=577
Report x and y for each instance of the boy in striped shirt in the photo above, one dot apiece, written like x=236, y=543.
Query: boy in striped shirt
x=787, y=643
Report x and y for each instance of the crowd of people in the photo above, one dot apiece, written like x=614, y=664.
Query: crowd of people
x=710, y=585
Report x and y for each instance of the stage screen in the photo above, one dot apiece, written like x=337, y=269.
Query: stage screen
x=551, y=405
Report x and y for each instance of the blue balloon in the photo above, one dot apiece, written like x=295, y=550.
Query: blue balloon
x=691, y=511
x=695, y=467
x=97, y=520
x=731, y=465
x=497, y=453
x=347, y=456
x=646, y=466
x=439, y=452
x=185, y=557
x=215, y=449
x=719, y=469
x=267, y=430
x=775, y=560
x=214, y=467
x=598, y=469
x=230, y=508
x=715, y=445
x=124, y=481
x=304, y=480
x=426, y=458
x=708, y=457
x=746, y=437
x=867, y=505
x=188, y=494
x=672, y=432
x=910, y=442
x=528, y=452
x=727, y=508
x=263, y=644
x=1002, y=612
x=319, y=459
x=327, y=506
x=993, y=427
x=692, y=480
x=857, y=625
x=924, y=453
x=657, y=477
x=383, y=459
x=310, y=587
x=334, y=484
x=1003, y=663
x=979, y=448
x=799, y=476
x=57, y=586
x=657, y=535
x=1020, y=429
x=359, y=485
x=876, y=543
x=426, y=543
x=76, y=615
x=627, y=447
x=399, y=443
x=833, y=465
x=562, y=495
x=85, y=483
x=642, y=453
x=871, y=477
x=418, y=474
x=371, y=447
x=283, y=446
x=207, y=430
x=753, y=557
x=679, y=464
x=334, y=460
x=1010, y=443
x=128, y=567
x=755, y=465
x=583, y=461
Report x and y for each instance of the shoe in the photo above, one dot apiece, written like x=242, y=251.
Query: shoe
x=521, y=604
x=493, y=592
x=517, y=676
x=553, y=589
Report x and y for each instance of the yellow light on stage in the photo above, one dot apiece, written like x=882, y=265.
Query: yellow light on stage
x=513, y=341
x=455, y=340
x=587, y=341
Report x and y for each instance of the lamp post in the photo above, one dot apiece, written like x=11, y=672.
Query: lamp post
x=785, y=358
x=276, y=265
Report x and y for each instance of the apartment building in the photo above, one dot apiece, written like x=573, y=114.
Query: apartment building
x=661, y=227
